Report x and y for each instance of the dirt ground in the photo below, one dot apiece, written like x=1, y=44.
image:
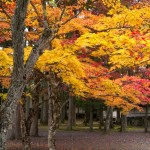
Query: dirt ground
x=81, y=140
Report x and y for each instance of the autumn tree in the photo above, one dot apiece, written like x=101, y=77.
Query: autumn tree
x=21, y=71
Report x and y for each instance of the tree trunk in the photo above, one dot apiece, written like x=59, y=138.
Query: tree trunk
x=34, y=125
x=74, y=113
x=25, y=128
x=17, y=127
x=7, y=112
x=111, y=120
x=87, y=115
x=91, y=116
x=44, y=111
x=108, y=119
x=123, y=123
x=62, y=115
x=146, y=118
x=71, y=117
x=101, y=117
x=118, y=116
x=54, y=108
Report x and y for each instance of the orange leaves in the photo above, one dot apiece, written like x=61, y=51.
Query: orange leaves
x=5, y=81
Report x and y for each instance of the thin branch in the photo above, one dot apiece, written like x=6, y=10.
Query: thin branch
x=62, y=106
x=63, y=11
x=106, y=30
x=36, y=11
x=44, y=13
x=79, y=11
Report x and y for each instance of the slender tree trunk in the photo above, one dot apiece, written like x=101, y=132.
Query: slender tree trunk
x=108, y=119
x=62, y=115
x=54, y=108
x=70, y=113
x=34, y=125
x=44, y=111
x=101, y=118
x=25, y=128
x=111, y=120
x=118, y=116
x=74, y=113
x=91, y=116
x=87, y=115
x=146, y=119
x=123, y=123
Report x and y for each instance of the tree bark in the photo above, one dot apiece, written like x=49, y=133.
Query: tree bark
x=54, y=108
x=63, y=114
x=17, y=127
x=34, y=125
x=44, y=111
x=25, y=127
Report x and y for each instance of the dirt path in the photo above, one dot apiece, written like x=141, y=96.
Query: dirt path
x=78, y=140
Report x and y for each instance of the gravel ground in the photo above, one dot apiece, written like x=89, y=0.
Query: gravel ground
x=79, y=140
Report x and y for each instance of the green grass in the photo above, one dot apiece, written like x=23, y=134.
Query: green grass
x=81, y=127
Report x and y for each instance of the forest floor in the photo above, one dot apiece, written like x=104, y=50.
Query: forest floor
x=86, y=140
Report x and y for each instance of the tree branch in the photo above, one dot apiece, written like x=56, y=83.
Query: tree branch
x=106, y=30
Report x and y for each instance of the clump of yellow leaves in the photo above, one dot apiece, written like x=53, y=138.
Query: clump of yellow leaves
x=66, y=65
x=5, y=64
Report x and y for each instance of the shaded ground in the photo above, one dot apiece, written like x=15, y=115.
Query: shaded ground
x=81, y=140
